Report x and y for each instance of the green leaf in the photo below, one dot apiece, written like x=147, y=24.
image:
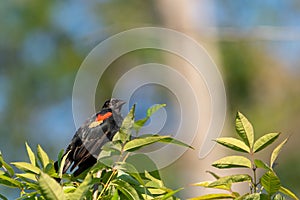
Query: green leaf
x=170, y=194
x=270, y=182
x=30, y=196
x=42, y=156
x=154, y=108
x=255, y=196
x=145, y=141
x=228, y=180
x=50, y=189
x=126, y=127
x=62, y=164
x=115, y=196
x=143, y=163
x=171, y=140
x=32, y=186
x=27, y=167
x=59, y=157
x=83, y=188
x=232, y=162
x=244, y=129
x=206, y=184
x=278, y=197
x=30, y=154
x=141, y=142
x=261, y=164
x=130, y=169
x=140, y=123
x=3, y=197
x=276, y=151
x=154, y=181
x=27, y=176
x=68, y=189
x=214, y=196
x=233, y=144
x=287, y=192
x=126, y=189
x=213, y=174
x=9, y=182
x=6, y=166
x=265, y=141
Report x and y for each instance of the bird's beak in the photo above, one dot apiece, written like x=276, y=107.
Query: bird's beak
x=121, y=103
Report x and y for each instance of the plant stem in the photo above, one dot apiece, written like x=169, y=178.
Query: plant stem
x=254, y=179
x=254, y=173
x=107, y=183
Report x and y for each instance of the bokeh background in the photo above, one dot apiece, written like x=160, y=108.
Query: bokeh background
x=256, y=45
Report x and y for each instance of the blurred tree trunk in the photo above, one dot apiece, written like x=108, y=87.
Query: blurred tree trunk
x=181, y=16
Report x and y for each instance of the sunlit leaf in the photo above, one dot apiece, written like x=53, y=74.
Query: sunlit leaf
x=9, y=182
x=232, y=162
x=206, y=184
x=115, y=196
x=127, y=124
x=32, y=186
x=228, y=180
x=62, y=164
x=214, y=196
x=244, y=129
x=27, y=176
x=145, y=141
x=126, y=189
x=50, y=189
x=278, y=197
x=59, y=157
x=276, y=151
x=270, y=182
x=170, y=194
x=27, y=167
x=171, y=140
x=287, y=192
x=6, y=166
x=255, y=196
x=233, y=144
x=30, y=154
x=83, y=188
x=157, y=182
x=265, y=141
x=42, y=156
x=140, y=123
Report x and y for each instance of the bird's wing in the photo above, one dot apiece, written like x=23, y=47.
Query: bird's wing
x=87, y=142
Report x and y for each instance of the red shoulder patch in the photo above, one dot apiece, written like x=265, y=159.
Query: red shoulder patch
x=103, y=117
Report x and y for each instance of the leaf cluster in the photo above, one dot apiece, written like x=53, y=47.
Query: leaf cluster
x=266, y=187
x=112, y=177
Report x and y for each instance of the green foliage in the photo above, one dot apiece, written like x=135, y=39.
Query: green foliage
x=267, y=187
x=112, y=177
x=116, y=175
x=140, y=123
x=232, y=161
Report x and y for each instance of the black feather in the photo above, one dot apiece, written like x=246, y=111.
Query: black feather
x=88, y=140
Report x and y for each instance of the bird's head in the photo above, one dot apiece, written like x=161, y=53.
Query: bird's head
x=114, y=104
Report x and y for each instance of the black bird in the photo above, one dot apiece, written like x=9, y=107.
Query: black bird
x=86, y=144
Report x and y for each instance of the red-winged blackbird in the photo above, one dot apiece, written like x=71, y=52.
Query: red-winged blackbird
x=89, y=138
